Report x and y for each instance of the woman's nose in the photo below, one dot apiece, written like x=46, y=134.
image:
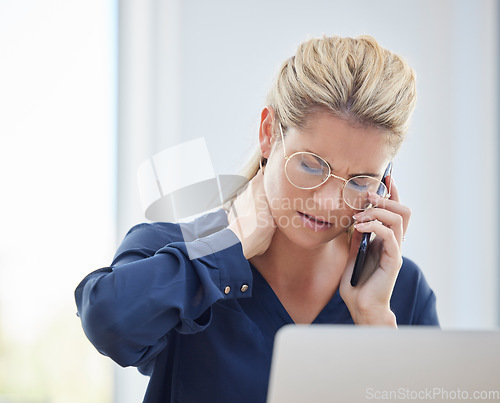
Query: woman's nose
x=329, y=195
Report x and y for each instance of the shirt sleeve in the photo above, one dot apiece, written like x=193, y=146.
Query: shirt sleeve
x=128, y=309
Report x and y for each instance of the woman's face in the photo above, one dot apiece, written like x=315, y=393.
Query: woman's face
x=350, y=151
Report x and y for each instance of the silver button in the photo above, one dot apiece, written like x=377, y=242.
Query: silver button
x=227, y=290
x=244, y=287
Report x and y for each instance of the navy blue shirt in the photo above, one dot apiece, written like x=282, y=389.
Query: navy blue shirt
x=183, y=305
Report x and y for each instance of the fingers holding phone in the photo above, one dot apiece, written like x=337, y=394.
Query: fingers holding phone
x=387, y=226
x=368, y=302
x=394, y=205
x=389, y=221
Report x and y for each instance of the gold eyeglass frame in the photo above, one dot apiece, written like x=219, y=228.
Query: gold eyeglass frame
x=330, y=174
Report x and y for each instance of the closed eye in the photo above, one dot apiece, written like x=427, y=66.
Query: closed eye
x=312, y=165
x=314, y=170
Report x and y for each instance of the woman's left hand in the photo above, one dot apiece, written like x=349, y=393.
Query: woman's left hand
x=369, y=301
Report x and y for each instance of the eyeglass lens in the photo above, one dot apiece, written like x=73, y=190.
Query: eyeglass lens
x=307, y=171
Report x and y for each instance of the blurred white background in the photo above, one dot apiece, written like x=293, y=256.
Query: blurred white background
x=88, y=91
x=58, y=167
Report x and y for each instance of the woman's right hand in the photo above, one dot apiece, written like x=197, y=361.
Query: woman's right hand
x=250, y=218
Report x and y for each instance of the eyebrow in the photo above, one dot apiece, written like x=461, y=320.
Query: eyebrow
x=374, y=175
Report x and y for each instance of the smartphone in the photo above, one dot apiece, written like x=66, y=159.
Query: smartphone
x=366, y=240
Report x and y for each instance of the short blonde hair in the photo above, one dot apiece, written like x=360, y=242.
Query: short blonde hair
x=353, y=78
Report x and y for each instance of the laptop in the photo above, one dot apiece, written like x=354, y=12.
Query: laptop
x=351, y=364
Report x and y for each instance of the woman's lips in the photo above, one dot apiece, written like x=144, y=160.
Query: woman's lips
x=314, y=223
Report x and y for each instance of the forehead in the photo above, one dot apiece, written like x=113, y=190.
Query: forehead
x=346, y=147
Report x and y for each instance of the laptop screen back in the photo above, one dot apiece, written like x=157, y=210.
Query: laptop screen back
x=328, y=363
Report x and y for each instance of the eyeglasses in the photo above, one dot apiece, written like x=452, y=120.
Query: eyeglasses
x=306, y=170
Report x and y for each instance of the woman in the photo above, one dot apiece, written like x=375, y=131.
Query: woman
x=200, y=316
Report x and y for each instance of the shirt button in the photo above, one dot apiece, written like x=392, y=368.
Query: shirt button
x=244, y=287
x=227, y=290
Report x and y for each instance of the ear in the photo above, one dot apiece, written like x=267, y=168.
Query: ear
x=266, y=131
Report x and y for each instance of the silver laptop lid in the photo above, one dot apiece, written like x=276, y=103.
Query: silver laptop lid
x=328, y=363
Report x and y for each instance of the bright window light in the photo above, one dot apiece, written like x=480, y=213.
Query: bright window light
x=57, y=163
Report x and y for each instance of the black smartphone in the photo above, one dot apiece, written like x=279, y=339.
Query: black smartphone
x=365, y=243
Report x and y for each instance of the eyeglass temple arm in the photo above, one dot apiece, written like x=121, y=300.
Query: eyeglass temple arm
x=283, y=141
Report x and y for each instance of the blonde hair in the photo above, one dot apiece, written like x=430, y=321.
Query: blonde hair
x=354, y=79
